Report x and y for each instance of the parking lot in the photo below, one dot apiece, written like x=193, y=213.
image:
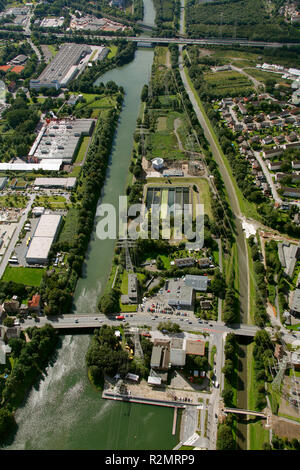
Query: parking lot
x=157, y=307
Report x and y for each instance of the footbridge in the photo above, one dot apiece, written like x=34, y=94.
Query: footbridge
x=260, y=414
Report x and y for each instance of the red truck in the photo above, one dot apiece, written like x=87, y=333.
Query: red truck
x=120, y=317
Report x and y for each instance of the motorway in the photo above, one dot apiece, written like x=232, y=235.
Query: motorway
x=180, y=40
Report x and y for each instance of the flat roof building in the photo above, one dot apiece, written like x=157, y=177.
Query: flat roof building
x=195, y=347
x=59, y=139
x=198, y=283
x=295, y=305
x=180, y=294
x=44, y=235
x=66, y=183
x=63, y=68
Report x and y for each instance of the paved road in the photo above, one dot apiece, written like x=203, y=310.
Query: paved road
x=180, y=40
x=269, y=179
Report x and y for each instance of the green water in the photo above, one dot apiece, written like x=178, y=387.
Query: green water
x=64, y=412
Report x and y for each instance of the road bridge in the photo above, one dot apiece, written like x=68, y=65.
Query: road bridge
x=85, y=322
x=175, y=40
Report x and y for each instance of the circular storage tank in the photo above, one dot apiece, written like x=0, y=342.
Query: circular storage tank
x=158, y=163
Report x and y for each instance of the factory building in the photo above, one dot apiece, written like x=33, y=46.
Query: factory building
x=59, y=139
x=44, y=235
x=64, y=183
x=63, y=68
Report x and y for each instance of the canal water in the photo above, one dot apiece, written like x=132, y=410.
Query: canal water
x=63, y=411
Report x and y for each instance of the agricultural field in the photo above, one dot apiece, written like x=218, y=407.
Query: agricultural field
x=69, y=229
x=26, y=276
x=222, y=83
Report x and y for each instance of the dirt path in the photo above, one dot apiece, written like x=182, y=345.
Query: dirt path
x=177, y=123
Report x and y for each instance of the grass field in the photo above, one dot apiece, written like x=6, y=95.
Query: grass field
x=222, y=83
x=70, y=226
x=82, y=150
x=26, y=276
x=113, y=51
x=264, y=76
x=13, y=201
x=52, y=202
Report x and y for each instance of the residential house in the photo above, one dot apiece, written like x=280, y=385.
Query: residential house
x=264, y=125
x=296, y=164
x=274, y=165
x=267, y=140
x=279, y=139
x=291, y=192
x=293, y=137
x=34, y=303
x=204, y=262
x=271, y=153
x=272, y=115
x=290, y=119
x=242, y=109
x=11, y=306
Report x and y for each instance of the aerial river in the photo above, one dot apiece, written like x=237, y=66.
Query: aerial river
x=63, y=411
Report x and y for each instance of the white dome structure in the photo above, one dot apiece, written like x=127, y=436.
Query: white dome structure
x=157, y=163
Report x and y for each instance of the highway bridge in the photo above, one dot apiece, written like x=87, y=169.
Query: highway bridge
x=177, y=40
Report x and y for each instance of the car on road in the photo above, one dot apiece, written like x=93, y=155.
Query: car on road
x=96, y=318
x=76, y=321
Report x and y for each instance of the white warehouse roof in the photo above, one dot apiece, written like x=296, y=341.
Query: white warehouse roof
x=39, y=249
x=53, y=165
x=68, y=183
x=48, y=225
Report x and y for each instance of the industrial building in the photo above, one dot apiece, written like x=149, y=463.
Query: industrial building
x=173, y=352
x=51, y=165
x=44, y=235
x=59, y=139
x=198, y=283
x=65, y=183
x=63, y=68
x=179, y=294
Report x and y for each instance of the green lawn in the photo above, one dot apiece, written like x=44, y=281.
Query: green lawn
x=82, y=150
x=69, y=229
x=13, y=201
x=113, y=51
x=27, y=276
